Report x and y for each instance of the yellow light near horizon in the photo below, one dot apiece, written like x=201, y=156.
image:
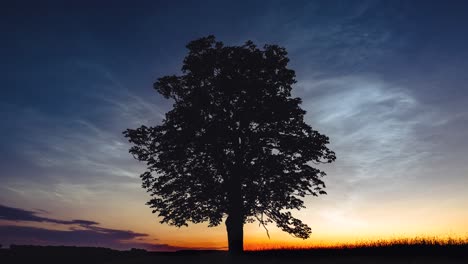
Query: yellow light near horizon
x=406, y=224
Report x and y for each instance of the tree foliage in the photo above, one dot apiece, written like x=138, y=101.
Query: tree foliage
x=234, y=121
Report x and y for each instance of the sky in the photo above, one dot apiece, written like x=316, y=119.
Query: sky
x=385, y=80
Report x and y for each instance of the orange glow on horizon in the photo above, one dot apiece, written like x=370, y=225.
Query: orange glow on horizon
x=331, y=225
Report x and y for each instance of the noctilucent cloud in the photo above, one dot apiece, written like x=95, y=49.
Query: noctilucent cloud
x=385, y=80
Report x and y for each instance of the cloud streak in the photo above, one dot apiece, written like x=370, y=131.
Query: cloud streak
x=102, y=237
x=79, y=233
x=17, y=214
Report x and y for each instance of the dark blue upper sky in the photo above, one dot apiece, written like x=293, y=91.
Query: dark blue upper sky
x=386, y=80
x=53, y=51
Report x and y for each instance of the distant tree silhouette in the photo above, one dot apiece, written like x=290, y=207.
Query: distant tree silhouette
x=234, y=145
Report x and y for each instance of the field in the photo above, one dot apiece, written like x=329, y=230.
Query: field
x=414, y=251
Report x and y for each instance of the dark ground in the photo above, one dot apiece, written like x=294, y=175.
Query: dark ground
x=393, y=254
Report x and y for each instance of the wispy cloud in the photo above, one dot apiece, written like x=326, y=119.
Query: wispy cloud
x=372, y=124
x=323, y=37
x=77, y=157
x=83, y=147
x=374, y=128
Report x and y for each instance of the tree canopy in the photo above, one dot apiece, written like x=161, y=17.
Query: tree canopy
x=235, y=143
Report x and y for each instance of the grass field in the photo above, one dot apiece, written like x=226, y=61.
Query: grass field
x=414, y=251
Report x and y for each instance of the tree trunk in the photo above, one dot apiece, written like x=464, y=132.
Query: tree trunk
x=235, y=232
x=235, y=219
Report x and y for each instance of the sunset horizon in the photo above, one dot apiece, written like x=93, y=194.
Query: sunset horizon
x=177, y=238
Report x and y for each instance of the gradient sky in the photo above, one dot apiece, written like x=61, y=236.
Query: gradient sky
x=385, y=80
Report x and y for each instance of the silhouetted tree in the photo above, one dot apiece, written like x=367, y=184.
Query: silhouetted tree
x=235, y=144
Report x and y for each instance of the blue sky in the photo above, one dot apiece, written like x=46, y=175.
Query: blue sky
x=385, y=80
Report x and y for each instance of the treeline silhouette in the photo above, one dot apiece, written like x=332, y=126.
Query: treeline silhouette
x=64, y=254
x=74, y=254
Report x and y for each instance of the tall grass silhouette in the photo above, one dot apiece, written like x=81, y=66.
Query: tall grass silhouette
x=395, y=246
